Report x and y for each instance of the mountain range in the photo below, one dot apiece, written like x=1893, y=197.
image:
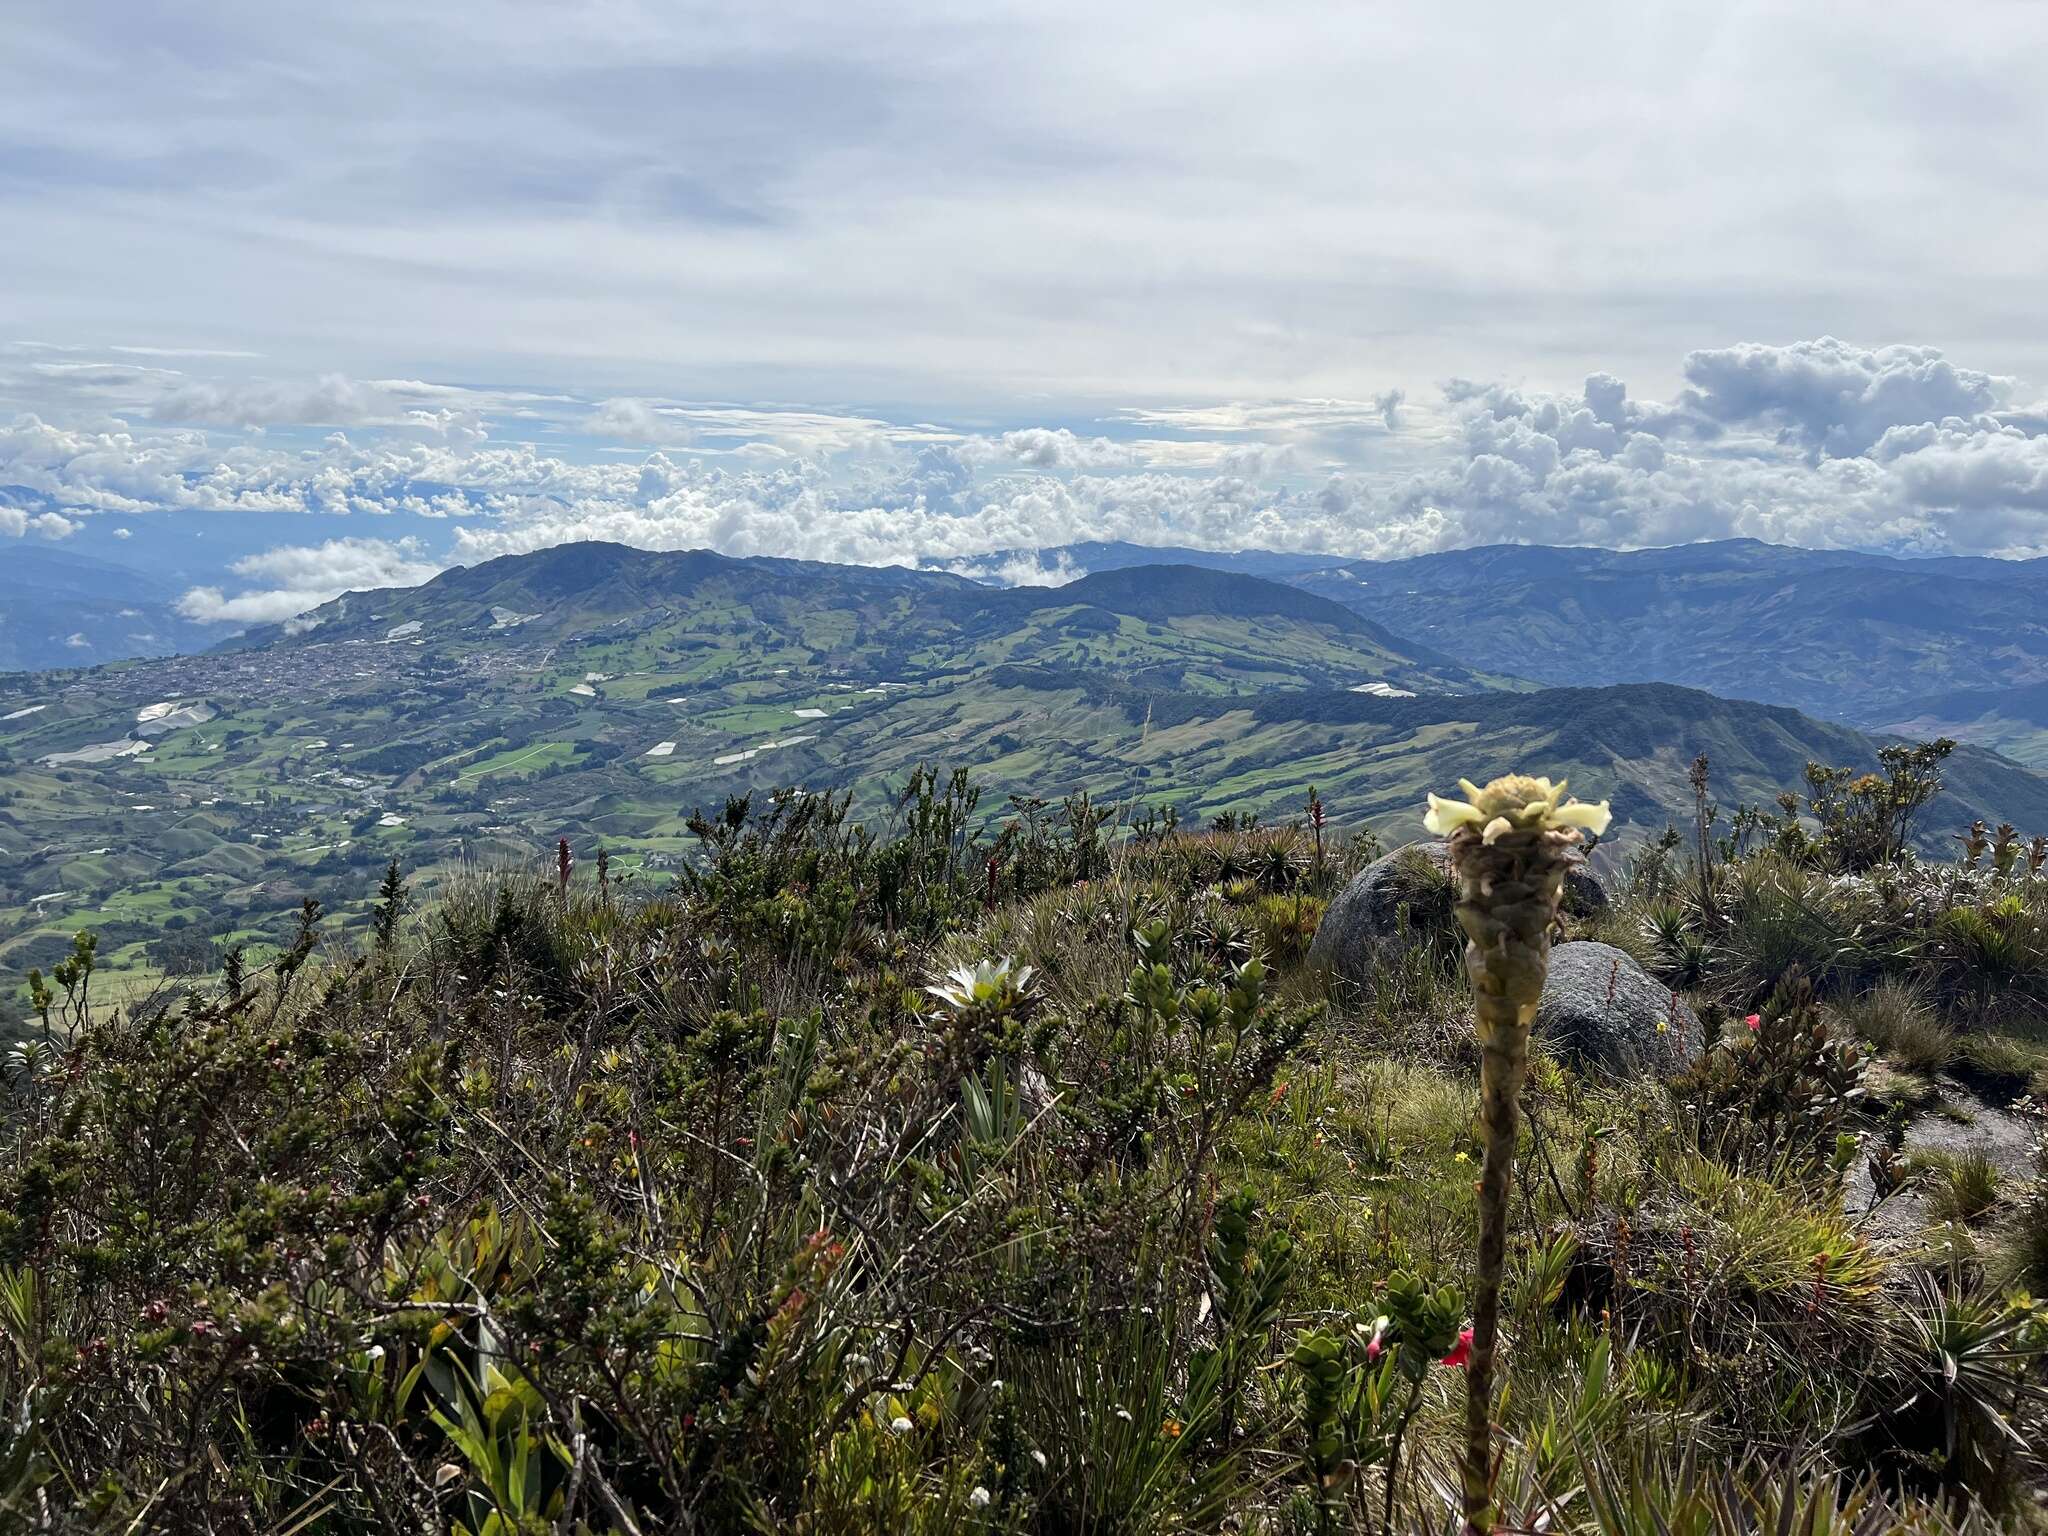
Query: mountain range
x=1164, y=625
x=604, y=693
x=66, y=610
x=1873, y=640
x=1885, y=643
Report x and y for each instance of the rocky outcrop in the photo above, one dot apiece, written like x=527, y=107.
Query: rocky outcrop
x=1393, y=905
x=1604, y=1013
x=1584, y=895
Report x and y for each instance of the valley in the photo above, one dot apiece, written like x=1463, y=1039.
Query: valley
x=1872, y=640
x=184, y=806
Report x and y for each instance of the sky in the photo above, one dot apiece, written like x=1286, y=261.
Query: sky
x=295, y=300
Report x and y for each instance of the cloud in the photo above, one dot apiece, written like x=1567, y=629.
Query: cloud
x=295, y=578
x=726, y=428
x=1758, y=444
x=930, y=204
x=1059, y=448
x=1832, y=397
x=16, y=523
x=1022, y=569
x=329, y=401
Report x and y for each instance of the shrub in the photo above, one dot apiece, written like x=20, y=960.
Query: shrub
x=1991, y=960
x=848, y=1187
x=1779, y=1091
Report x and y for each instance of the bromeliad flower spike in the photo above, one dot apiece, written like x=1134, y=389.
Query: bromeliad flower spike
x=1510, y=843
x=1514, y=803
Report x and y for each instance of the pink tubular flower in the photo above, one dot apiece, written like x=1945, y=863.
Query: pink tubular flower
x=1462, y=1351
x=1376, y=1345
x=1754, y=1021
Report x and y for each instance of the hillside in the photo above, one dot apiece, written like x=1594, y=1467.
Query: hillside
x=1841, y=635
x=2013, y=721
x=593, y=690
x=604, y=694
x=1374, y=759
x=624, y=608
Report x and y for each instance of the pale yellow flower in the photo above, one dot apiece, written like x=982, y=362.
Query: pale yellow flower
x=1513, y=803
x=1446, y=816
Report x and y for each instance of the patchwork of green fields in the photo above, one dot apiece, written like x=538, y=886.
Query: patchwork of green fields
x=464, y=743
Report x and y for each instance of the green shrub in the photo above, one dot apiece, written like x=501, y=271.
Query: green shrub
x=986, y=1173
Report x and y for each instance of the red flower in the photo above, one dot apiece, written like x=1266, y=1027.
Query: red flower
x=1754, y=1021
x=1462, y=1352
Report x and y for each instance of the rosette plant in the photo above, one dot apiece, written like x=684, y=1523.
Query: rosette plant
x=1510, y=844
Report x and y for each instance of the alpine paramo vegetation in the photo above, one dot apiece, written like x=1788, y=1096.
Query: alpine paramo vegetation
x=1013, y=1170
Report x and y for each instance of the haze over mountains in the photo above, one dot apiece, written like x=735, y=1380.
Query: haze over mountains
x=67, y=610
x=1847, y=635
x=604, y=693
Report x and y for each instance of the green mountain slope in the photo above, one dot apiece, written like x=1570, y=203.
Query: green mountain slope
x=604, y=695
x=1838, y=634
x=626, y=609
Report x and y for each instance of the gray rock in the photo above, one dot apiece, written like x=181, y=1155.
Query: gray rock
x=1584, y=895
x=1393, y=905
x=1600, y=1010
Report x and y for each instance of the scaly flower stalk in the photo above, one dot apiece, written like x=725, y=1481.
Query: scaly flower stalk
x=1510, y=845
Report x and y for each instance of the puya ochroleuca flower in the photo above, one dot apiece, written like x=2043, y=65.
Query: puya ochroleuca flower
x=1511, y=844
x=1514, y=803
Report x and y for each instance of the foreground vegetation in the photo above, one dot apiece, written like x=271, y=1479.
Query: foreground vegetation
x=988, y=1173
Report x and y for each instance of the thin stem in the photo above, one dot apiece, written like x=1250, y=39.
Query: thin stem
x=1503, y=1064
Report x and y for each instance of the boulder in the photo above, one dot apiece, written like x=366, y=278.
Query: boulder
x=1393, y=905
x=1584, y=895
x=1602, y=1012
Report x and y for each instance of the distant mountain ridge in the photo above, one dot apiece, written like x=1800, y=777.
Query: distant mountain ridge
x=890, y=616
x=1916, y=644
x=599, y=576
x=63, y=609
x=604, y=693
x=1841, y=635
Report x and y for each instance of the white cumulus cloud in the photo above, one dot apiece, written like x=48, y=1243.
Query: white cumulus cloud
x=1819, y=443
x=289, y=580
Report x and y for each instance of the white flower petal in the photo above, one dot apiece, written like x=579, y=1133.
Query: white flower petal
x=1446, y=816
x=1499, y=827
x=1594, y=818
